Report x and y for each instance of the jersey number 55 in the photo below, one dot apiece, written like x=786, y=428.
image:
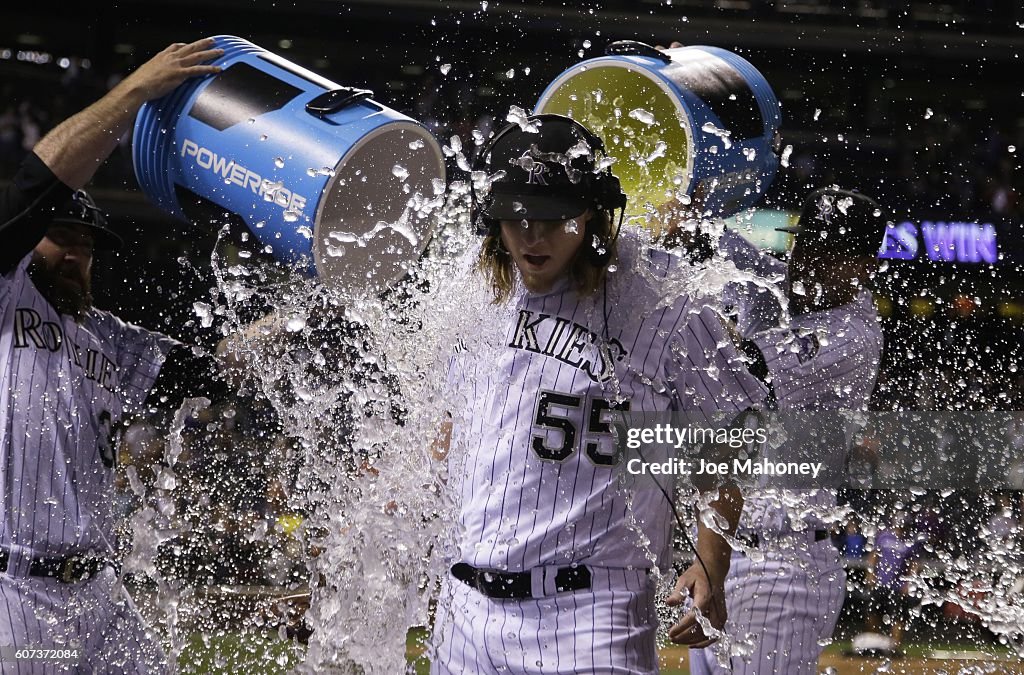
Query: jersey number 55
x=562, y=412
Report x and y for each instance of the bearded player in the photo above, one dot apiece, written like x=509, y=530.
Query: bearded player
x=70, y=374
x=555, y=570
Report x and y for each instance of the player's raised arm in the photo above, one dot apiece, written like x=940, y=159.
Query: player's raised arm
x=76, y=147
x=66, y=158
x=709, y=375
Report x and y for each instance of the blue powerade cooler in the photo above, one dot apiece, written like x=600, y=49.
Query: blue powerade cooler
x=692, y=120
x=326, y=177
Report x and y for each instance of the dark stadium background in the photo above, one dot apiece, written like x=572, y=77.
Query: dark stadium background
x=918, y=103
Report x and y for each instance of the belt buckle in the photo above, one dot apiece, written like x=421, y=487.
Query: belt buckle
x=72, y=569
x=480, y=579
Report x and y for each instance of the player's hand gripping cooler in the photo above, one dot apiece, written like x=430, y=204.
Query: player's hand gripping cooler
x=692, y=120
x=328, y=178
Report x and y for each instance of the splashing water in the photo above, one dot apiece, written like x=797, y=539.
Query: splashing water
x=517, y=115
x=641, y=115
x=356, y=384
x=710, y=128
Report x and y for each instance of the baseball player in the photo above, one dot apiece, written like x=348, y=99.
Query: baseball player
x=70, y=374
x=554, y=570
x=827, y=359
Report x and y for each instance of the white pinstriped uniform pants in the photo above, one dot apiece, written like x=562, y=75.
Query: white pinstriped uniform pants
x=94, y=615
x=609, y=629
x=790, y=602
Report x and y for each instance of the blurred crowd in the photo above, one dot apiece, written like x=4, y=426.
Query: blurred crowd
x=231, y=514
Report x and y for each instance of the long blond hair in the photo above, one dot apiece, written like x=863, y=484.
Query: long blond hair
x=497, y=266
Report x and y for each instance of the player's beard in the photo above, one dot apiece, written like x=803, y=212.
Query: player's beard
x=66, y=288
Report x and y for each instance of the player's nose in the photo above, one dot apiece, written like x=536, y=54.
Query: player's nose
x=79, y=254
x=532, y=233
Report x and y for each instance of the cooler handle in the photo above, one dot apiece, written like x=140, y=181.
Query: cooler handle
x=336, y=99
x=636, y=48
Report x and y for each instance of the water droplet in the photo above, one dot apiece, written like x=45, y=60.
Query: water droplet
x=642, y=115
x=291, y=215
x=263, y=137
x=817, y=114
x=418, y=144
x=399, y=172
x=724, y=134
x=204, y=312
x=295, y=324
x=445, y=68
x=279, y=162
x=511, y=73
x=517, y=115
x=786, y=152
x=586, y=44
x=927, y=113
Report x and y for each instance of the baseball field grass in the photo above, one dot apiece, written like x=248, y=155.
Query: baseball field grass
x=266, y=654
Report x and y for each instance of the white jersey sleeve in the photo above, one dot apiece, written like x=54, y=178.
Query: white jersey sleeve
x=707, y=372
x=140, y=353
x=754, y=303
x=825, y=360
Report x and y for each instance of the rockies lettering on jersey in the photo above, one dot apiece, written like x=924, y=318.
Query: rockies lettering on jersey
x=568, y=342
x=31, y=330
x=64, y=386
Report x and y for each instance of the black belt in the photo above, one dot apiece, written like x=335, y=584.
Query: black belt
x=518, y=584
x=68, y=569
x=755, y=540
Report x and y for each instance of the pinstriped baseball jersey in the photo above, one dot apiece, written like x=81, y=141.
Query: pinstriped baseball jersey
x=790, y=600
x=536, y=482
x=65, y=385
x=825, y=360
